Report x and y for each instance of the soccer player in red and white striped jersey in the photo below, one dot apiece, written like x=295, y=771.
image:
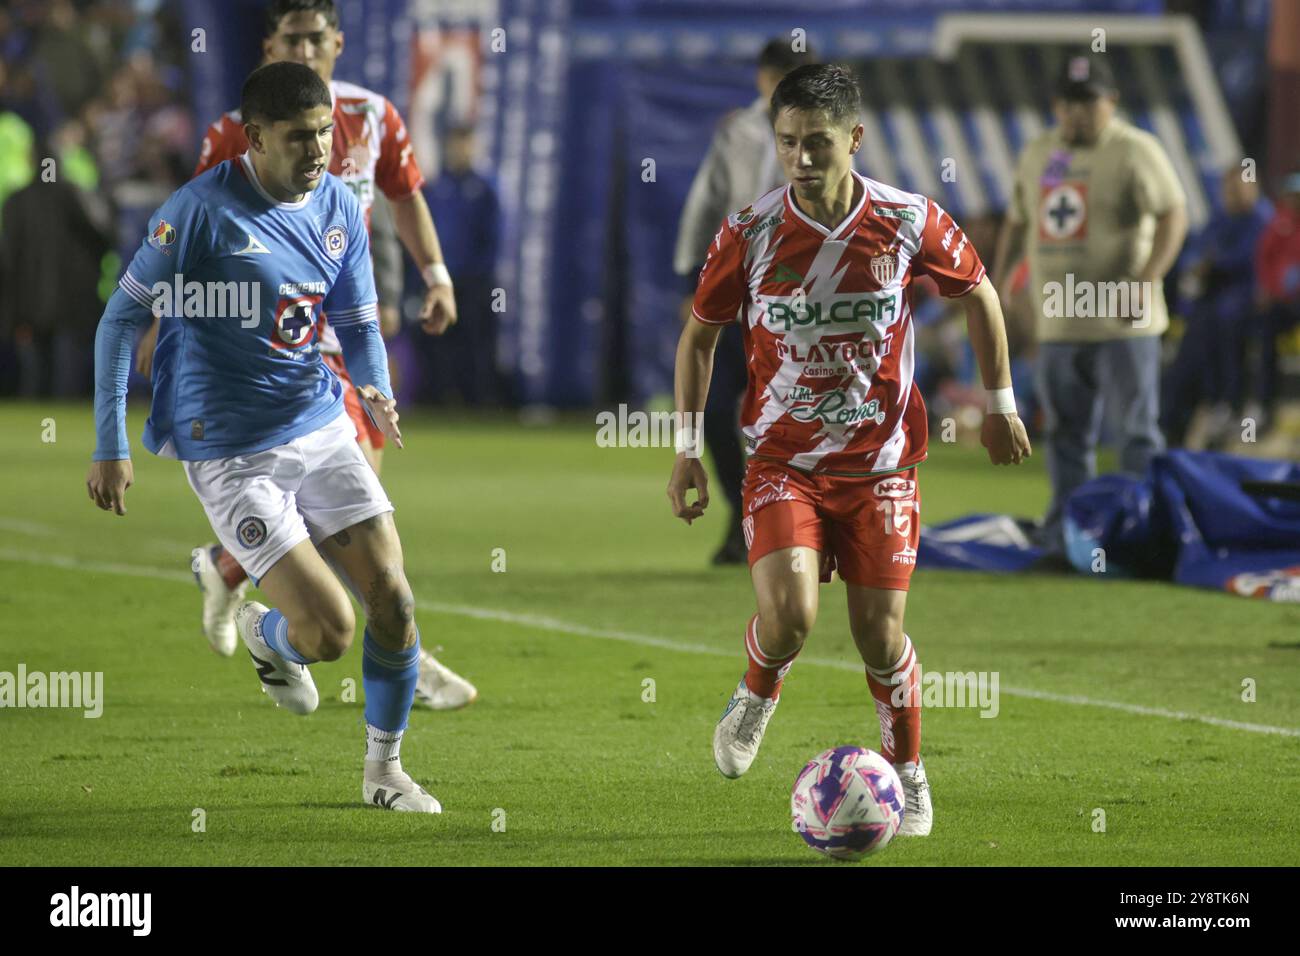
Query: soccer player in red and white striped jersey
x=819, y=272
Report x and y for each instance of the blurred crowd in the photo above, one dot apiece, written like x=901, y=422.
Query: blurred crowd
x=95, y=133
x=97, y=130
x=1239, y=292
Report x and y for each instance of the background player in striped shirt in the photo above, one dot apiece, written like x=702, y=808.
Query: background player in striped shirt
x=371, y=149
x=245, y=402
x=819, y=271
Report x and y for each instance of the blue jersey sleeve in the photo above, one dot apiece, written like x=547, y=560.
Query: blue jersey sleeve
x=179, y=238
x=175, y=241
x=352, y=308
x=114, y=339
x=352, y=298
x=365, y=356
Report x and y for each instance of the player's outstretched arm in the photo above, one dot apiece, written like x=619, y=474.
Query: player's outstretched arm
x=415, y=228
x=694, y=368
x=367, y=363
x=111, y=472
x=1003, y=434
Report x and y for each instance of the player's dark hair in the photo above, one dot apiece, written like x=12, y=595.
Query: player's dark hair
x=779, y=56
x=277, y=10
x=828, y=87
x=281, y=91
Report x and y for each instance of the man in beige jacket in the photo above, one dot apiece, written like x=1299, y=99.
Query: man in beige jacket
x=1099, y=209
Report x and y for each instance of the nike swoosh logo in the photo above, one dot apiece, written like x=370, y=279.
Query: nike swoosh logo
x=254, y=245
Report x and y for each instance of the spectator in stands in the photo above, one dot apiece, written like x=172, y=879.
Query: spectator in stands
x=53, y=236
x=740, y=166
x=1277, y=271
x=98, y=82
x=1104, y=217
x=16, y=140
x=63, y=60
x=464, y=203
x=1220, y=317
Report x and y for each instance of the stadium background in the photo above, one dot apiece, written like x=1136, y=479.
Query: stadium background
x=571, y=99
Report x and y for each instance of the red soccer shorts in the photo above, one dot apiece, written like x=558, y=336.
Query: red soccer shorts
x=365, y=427
x=867, y=527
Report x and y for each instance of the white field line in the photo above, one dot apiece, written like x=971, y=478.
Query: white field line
x=32, y=529
x=564, y=627
x=556, y=626
x=26, y=527
x=70, y=563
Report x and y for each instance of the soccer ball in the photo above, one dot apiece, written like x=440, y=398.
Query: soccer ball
x=847, y=803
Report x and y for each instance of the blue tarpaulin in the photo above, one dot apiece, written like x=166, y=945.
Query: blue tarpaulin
x=1202, y=519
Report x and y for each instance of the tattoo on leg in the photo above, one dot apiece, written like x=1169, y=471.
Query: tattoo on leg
x=390, y=607
x=343, y=539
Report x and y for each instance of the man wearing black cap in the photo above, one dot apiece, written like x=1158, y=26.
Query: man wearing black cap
x=1099, y=209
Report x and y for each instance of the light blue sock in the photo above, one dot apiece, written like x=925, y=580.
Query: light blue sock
x=389, y=678
x=275, y=631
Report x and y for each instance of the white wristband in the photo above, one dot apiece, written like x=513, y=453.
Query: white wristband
x=436, y=274
x=1002, y=401
x=687, y=441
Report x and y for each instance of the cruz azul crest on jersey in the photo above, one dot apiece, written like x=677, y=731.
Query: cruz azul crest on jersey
x=336, y=241
x=295, y=321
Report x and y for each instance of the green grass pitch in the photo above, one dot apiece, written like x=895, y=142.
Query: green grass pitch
x=1110, y=690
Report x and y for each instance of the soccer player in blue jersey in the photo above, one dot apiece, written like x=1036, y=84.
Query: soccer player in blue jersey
x=241, y=261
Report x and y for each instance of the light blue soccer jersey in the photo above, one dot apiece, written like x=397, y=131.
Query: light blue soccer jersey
x=240, y=281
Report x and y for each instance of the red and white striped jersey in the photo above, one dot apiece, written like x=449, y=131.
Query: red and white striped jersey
x=371, y=148
x=828, y=323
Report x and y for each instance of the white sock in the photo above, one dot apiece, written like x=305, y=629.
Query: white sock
x=382, y=747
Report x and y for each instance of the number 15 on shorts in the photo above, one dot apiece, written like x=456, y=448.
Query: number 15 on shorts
x=898, y=516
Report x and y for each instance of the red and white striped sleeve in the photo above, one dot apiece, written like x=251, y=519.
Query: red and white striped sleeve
x=946, y=255
x=723, y=284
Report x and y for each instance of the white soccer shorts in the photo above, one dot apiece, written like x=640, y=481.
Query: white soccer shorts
x=314, y=486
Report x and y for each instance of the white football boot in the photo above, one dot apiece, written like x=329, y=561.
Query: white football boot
x=740, y=730
x=395, y=790
x=441, y=688
x=288, y=684
x=918, y=813
x=219, y=601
